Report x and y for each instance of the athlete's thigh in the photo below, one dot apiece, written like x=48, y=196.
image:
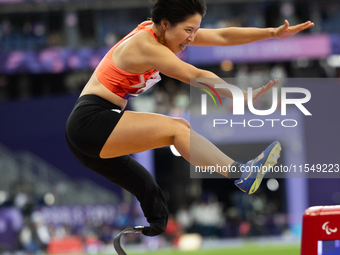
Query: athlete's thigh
x=137, y=132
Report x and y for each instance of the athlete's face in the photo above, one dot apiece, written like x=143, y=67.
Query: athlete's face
x=181, y=35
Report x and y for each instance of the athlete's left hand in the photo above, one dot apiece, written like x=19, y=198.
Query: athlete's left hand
x=285, y=30
x=260, y=91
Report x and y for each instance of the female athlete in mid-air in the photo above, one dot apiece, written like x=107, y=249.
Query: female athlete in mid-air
x=101, y=135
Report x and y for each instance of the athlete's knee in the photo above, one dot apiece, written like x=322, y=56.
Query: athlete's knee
x=182, y=121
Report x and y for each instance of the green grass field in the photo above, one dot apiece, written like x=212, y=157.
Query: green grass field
x=249, y=249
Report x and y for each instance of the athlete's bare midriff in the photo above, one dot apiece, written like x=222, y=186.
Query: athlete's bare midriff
x=94, y=87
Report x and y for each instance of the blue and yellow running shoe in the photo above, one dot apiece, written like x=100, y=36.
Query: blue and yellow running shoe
x=254, y=170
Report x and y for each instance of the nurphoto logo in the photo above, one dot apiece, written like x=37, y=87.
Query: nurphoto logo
x=239, y=105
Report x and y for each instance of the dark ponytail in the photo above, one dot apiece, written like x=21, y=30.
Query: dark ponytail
x=176, y=11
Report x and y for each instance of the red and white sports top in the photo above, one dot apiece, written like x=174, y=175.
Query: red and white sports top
x=124, y=84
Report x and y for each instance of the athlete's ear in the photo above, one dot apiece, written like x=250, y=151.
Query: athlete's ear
x=165, y=23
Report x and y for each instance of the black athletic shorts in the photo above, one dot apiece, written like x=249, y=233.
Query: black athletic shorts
x=91, y=123
x=87, y=129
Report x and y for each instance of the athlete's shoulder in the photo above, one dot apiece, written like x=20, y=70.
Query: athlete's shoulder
x=145, y=38
x=146, y=23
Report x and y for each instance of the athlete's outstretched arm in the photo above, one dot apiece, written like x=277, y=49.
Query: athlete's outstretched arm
x=242, y=35
x=164, y=60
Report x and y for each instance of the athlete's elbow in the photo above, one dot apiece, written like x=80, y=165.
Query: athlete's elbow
x=202, y=75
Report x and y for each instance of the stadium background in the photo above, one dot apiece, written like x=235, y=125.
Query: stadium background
x=48, y=50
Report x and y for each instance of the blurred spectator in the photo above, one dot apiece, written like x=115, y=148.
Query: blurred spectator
x=27, y=28
x=43, y=234
x=278, y=71
x=330, y=13
x=181, y=102
x=3, y=88
x=173, y=230
x=184, y=218
x=244, y=228
x=6, y=27
x=122, y=218
x=242, y=77
x=208, y=218
x=39, y=28
x=41, y=231
x=92, y=243
x=105, y=234
x=27, y=240
x=54, y=39
x=75, y=81
x=111, y=39
x=59, y=231
x=162, y=100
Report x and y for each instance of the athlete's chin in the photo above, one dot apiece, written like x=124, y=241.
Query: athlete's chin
x=179, y=49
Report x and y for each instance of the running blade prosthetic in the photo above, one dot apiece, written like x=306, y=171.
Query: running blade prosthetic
x=116, y=241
